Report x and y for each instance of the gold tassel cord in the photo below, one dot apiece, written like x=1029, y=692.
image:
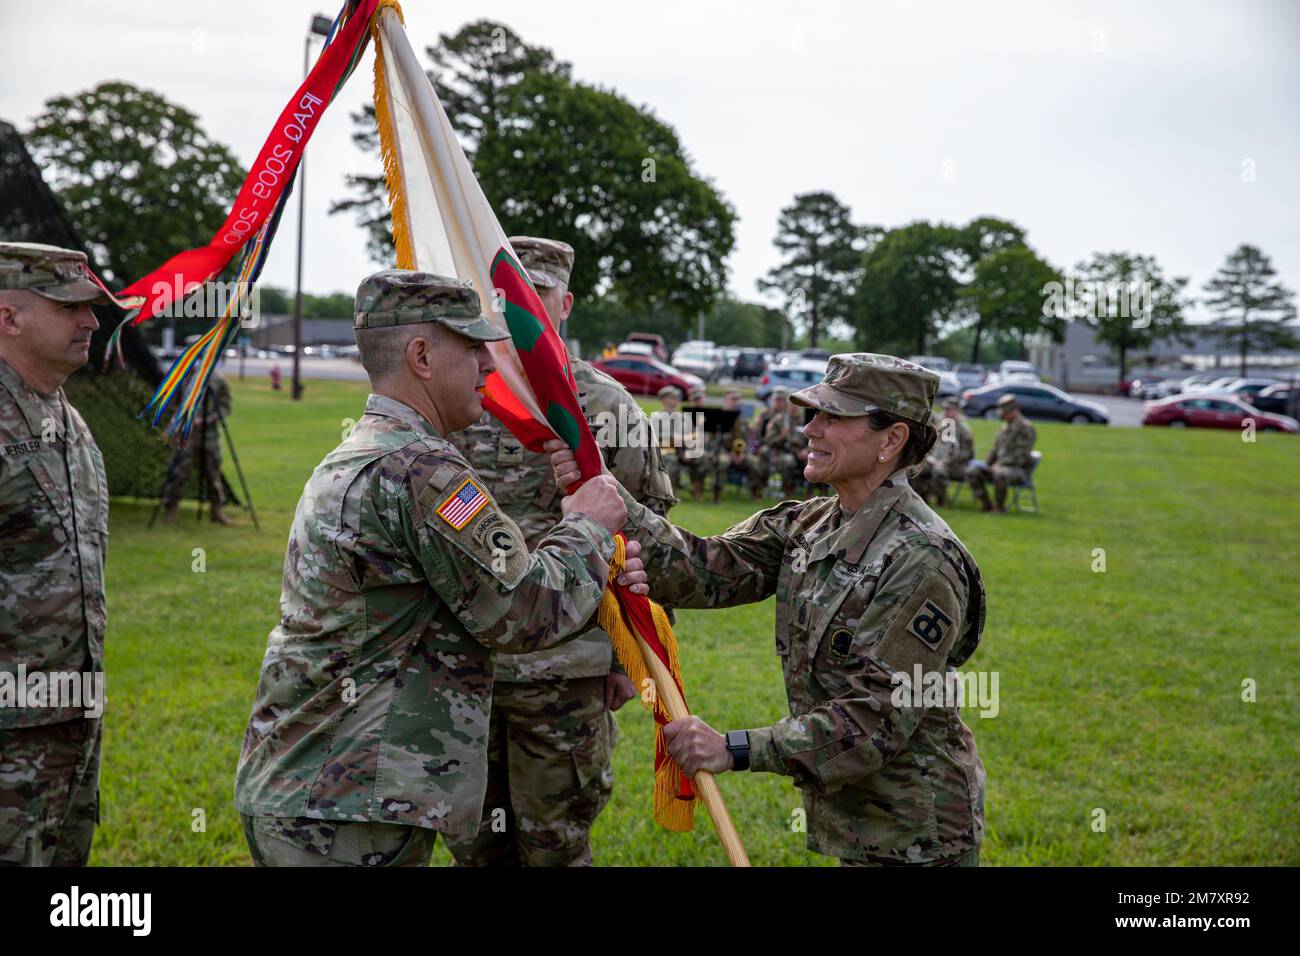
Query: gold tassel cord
x=388, y=148
x=670, y=811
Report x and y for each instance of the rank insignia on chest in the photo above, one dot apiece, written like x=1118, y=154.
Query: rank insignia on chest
x=463, y=504
x=929, y=624
x=510, y=452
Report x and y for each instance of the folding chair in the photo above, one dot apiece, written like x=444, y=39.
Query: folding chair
x=1027, y=484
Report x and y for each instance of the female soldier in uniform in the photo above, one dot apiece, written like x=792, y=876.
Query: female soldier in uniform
x=874, y=592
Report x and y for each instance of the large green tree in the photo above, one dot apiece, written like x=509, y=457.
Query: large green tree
x=823, y=256
x=908, y=288
x=611, y=179
x=1251, y=305
x=1006, y=294
x=138, y=176
x=565, y=160
x=471, y=71
x=1128, y=302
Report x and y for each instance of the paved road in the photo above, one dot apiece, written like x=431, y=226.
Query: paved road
x=338, y=369
x=1124, y=412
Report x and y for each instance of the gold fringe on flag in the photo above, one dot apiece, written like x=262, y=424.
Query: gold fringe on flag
x=670, y=811
x=388, y=148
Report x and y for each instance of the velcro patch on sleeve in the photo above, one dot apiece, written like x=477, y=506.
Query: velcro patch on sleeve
x=463, y=504
x=924, y=629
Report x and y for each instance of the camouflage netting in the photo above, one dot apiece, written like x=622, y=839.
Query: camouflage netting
x=135, y=455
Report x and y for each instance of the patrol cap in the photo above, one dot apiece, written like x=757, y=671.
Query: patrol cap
x=403, y=297
x=952, y=402
x=549, y=262
x=1007, y=401
x=780, y=391
x=859, y=383
x=668, y=390
x=61, y=275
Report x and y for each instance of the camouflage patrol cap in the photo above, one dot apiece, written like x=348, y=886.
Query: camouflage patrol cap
x=952, y=402
x=61, y=275
x=668, y=390
x=1007, y=400
x=859, y=383
x=403, y=297
x=780, y=391
x=549, y=262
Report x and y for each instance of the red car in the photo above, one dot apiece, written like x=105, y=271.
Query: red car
x=642, y=375
x=1200, y=410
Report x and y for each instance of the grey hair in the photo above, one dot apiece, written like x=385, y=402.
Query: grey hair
x=383, y=349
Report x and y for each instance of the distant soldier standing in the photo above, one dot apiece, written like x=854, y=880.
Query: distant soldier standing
x=204, y=451
x=552, y=731
x=1009, y=459
x=53, y=528
x=402, y=578
x=952, y=453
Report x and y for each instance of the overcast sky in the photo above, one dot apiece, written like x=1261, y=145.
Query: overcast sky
x=1168, y=128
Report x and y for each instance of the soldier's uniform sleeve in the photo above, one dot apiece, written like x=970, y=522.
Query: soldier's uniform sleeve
x=475, y=558
x=996, y=450
x=739, y=566
x=966, y=444
x=914, y=618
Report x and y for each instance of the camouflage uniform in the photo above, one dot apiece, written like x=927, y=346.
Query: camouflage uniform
x=1009, y=460
x=402, y=579
x=204, y=449
x=947, y=460
x=53, y=540
x=551, y=739
x=859, y=597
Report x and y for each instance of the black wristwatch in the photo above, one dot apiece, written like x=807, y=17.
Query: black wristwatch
x=738, y=747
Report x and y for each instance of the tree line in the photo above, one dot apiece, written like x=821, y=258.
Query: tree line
x=141, y=180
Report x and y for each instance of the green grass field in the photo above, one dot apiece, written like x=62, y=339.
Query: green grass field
x=1119, y=690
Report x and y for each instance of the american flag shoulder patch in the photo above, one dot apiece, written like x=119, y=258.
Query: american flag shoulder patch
x=463, y=504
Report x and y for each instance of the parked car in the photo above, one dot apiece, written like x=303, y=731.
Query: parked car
x=1177, y=386
x=1247, y=388
x=1012, y=367
x=1213, y=411
x=637, y=348
x=1275, y=399
x=794, y=375
x=658, y=347
x=699, y=360
x=1037, y=401
x=970, y=376
x=934, y=363
x=949, y=384
x=750, y=363
x=643, y=375
x=815, y=354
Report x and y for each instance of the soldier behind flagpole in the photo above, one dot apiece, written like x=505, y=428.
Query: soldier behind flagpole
x=553, y=732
